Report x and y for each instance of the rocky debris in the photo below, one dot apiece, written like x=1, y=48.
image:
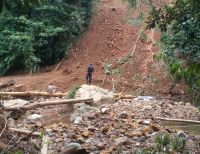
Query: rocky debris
x=100, y=95
x=128, y=124
x=34, y=116
x=81, y=110
x=15, y=103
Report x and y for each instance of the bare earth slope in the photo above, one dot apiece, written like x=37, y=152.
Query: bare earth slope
x=109, y=39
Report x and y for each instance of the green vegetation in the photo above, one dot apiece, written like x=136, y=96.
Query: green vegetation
x=72, y=92
x=36, y=33
x=179, y=23
x=165, y=144
x=180, y=26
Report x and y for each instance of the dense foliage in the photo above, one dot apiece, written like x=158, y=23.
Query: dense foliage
x=179, y=23
x=39, y=32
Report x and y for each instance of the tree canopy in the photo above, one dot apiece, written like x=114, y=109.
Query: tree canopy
x=39, y=32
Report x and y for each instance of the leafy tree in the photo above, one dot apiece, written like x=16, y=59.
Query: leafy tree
x=35, y=33
x=179, y=23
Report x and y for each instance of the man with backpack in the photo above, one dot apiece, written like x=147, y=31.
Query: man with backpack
x=90, y=71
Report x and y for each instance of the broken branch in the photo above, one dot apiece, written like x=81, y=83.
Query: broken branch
x=27, y=132
x=48, y=103
x=178, y=120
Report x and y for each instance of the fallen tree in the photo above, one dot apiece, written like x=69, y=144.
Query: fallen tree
x=178, y=120
x=26, y=132
x=32, y=93
x=48, y=103
x=7, y=84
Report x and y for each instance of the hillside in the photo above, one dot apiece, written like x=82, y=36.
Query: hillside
x=108, y=40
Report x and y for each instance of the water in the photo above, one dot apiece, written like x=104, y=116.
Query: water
x=186, y=127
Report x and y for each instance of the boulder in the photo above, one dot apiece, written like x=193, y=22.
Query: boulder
x=100, y=95
x=81, y=110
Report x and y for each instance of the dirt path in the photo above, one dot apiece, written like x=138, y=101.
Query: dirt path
x=107, y=40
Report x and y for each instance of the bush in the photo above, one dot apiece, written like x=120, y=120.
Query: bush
x=72, y=92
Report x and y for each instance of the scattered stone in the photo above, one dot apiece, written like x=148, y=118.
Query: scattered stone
x=34, y=116
x=123, y=115
x=182, y=134
x=85, y=133
x=15, y=103
x=101, y=146
x=121, y=140
x=78, y=120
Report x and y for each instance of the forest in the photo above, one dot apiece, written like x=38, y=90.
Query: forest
x=36, y=33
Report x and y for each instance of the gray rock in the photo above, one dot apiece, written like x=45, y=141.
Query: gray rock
x=74, y=145
x=15, y=103
x=81, y=111
x=182, y=134
x=78, y=120
x=123, y=115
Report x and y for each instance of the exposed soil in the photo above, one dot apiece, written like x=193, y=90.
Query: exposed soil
x=109, y=39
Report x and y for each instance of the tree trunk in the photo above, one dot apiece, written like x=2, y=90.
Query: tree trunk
x=32, y=93
x=48, y=103
x=178, y=120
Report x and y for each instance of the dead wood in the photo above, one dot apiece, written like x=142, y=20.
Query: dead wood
x=26, y=132
x=48, y=103
x=45, y=143
x=59, y=64
x=178, y=120
x=32, y=93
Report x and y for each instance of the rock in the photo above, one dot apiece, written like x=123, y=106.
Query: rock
x=15, y=103
x=146, y=122
x=74, y=145
x=121, y=140
x=81, y=110
x=147, y=107
x=92, y=128
x=105, y=110
x=86, y=133
x=99, y=95
x=123, y=115
x=146, y=130
x=155, y=128
x=34, y=116
x=78, y=120
x=137, y=133
x=59, y=140
x=182, y=134
x=144, y=98
x=101, y=146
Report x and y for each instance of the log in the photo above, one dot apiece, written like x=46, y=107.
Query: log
x=32, y=93
x=178, y=120
x=48, y=103
x=7, y=84
x=58, y=65
x=26, y=132
x=45, y=144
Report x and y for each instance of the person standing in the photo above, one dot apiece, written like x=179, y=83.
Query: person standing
x=90, y=71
